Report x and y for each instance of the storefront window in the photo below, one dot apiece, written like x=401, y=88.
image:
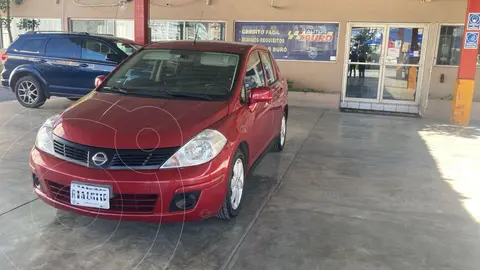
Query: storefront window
x=183, y=30
x=119, y=28
x=124, y=29
x=37, y=24
x=449, y=45
x=165, y=30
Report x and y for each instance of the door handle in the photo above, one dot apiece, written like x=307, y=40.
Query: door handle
x=83, y=65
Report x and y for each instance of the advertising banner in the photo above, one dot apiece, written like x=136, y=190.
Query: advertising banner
x=292, y=41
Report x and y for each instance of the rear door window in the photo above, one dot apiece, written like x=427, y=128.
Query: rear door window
x=31, y=45
x=95, y=50
x=64, y=47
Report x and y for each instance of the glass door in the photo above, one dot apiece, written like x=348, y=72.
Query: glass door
x=403, y=64
x=364, y=68
x=384, y=64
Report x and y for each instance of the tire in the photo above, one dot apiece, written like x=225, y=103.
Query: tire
x=73, y=98
x=281, y=139
x=29, y=92
x=231, y=207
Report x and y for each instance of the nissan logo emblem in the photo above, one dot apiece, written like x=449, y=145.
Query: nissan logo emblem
x=99, y=158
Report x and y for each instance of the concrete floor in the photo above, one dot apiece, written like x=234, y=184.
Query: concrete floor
x=350, y=191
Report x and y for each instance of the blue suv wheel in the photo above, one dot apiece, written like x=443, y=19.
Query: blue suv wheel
x=29, y=92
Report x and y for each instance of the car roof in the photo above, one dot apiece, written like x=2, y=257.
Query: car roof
x=76, y=34
x=216, y=46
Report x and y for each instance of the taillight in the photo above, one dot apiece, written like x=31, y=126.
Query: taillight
x=4, y=57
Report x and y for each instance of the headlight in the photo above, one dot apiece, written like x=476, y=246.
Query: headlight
x=201, y=149
x=44, y=139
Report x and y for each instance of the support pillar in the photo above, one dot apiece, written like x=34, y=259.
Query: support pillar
x=141, y=18
x=465, y=85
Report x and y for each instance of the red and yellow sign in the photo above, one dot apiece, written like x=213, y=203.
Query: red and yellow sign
x=326, y=37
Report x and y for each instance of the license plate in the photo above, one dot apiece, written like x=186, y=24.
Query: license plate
x=90, y=195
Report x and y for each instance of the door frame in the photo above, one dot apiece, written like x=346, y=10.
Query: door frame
x=381, y=83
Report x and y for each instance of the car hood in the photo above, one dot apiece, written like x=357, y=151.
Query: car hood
x=126, y=122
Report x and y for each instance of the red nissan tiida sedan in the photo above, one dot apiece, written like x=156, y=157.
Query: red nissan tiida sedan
x=168, y=136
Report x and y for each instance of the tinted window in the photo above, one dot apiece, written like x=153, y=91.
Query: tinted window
x=254, y=74
x=95, y=50
x=176, y=73
x=31, y=45
x=269, y=68
x=63, y=47
x=449, y=45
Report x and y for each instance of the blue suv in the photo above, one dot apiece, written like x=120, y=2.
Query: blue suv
x=39, y=65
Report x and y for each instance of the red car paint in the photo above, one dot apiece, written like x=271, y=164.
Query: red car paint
x=126, y=122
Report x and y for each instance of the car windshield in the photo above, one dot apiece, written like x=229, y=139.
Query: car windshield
x=176, y=74
x=127, y=48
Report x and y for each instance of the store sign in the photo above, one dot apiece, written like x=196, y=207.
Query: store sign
x=292, y=41
x=471, y=40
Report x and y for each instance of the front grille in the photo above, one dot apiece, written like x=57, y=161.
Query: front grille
x=121, y=203
x=142, y=158
x=70, y=151
x=117, y=158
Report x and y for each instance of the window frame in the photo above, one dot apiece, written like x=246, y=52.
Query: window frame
x=437, y=45
x=272, y=63
x=244, y=91
x=225, y=23
x=115, y=26
x=63, y=57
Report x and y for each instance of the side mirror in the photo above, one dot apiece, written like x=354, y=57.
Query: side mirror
x=261, y=94
x=99, y=80
x=114, y=57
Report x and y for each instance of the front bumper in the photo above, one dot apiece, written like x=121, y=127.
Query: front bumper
x=5, y=83
x=209, y=179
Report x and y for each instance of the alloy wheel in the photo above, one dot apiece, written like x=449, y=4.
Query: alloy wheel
x=236, y=184
x=28, y=92
x=283, y=131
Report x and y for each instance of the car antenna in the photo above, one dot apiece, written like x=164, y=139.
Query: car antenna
x=196, y=30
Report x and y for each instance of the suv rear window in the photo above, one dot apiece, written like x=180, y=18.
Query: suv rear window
x=64, y=47
x=30, y=45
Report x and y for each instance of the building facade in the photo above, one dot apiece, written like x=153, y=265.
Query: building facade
x=387, y=55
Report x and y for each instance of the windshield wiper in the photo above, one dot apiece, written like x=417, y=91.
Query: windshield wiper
x=115, y=89
x=169, y=94
x=189, y=95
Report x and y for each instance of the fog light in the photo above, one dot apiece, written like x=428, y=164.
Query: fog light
x=184, y=201
x=36, y=181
